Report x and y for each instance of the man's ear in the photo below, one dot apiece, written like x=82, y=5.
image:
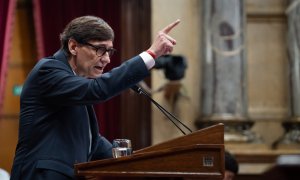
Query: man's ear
x=72, y=45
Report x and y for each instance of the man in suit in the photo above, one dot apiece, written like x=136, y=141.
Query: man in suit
x=231, y=166
x=58, y=126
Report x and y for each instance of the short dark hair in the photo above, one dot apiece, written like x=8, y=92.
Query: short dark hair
x=231, y=163
x=84, y=29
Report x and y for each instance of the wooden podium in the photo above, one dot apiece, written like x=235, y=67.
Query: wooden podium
x=196, y=155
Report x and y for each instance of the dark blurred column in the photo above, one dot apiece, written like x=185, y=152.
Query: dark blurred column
x=224, y=86
x=135, y=118
x=291, y=138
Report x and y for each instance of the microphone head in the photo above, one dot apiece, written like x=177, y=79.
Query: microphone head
x=136, y=89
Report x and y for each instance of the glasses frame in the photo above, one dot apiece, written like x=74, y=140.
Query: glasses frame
x=110, y=51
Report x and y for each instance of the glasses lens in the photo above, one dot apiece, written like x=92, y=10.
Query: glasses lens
x=101, y=51
x=111, y=52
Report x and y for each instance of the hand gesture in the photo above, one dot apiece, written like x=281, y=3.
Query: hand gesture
x=163, y=43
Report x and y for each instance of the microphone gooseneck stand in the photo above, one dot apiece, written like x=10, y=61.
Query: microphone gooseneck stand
x=170, y=116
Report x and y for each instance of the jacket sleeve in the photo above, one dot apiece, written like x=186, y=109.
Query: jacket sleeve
x=59, y=85
x=103, y=150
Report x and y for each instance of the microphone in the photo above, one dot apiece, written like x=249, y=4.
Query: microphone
x=170, y=116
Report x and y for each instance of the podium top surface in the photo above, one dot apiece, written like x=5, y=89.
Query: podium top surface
x=210, y=135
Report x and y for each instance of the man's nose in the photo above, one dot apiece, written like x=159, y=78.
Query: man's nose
x=105, y=58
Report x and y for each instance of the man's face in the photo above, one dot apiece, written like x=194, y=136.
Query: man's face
x=87, y=62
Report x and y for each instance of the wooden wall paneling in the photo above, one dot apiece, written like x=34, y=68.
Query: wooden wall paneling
x=136, y=37
x=22, y=58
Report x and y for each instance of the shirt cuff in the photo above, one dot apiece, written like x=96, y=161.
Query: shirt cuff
x=148, y=60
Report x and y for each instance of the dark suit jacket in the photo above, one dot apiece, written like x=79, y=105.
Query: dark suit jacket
x=56, y=110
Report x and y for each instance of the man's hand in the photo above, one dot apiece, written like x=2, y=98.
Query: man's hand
x=163, y=43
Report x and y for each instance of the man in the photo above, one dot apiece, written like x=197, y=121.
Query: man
x=231, y=166
x=58, y=127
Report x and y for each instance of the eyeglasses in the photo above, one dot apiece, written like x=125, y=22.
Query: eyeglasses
x=101, y=50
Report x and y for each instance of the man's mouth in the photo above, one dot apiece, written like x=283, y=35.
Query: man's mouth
x=100, y=68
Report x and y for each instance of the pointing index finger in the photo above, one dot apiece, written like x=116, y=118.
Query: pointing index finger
x=168, y=28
